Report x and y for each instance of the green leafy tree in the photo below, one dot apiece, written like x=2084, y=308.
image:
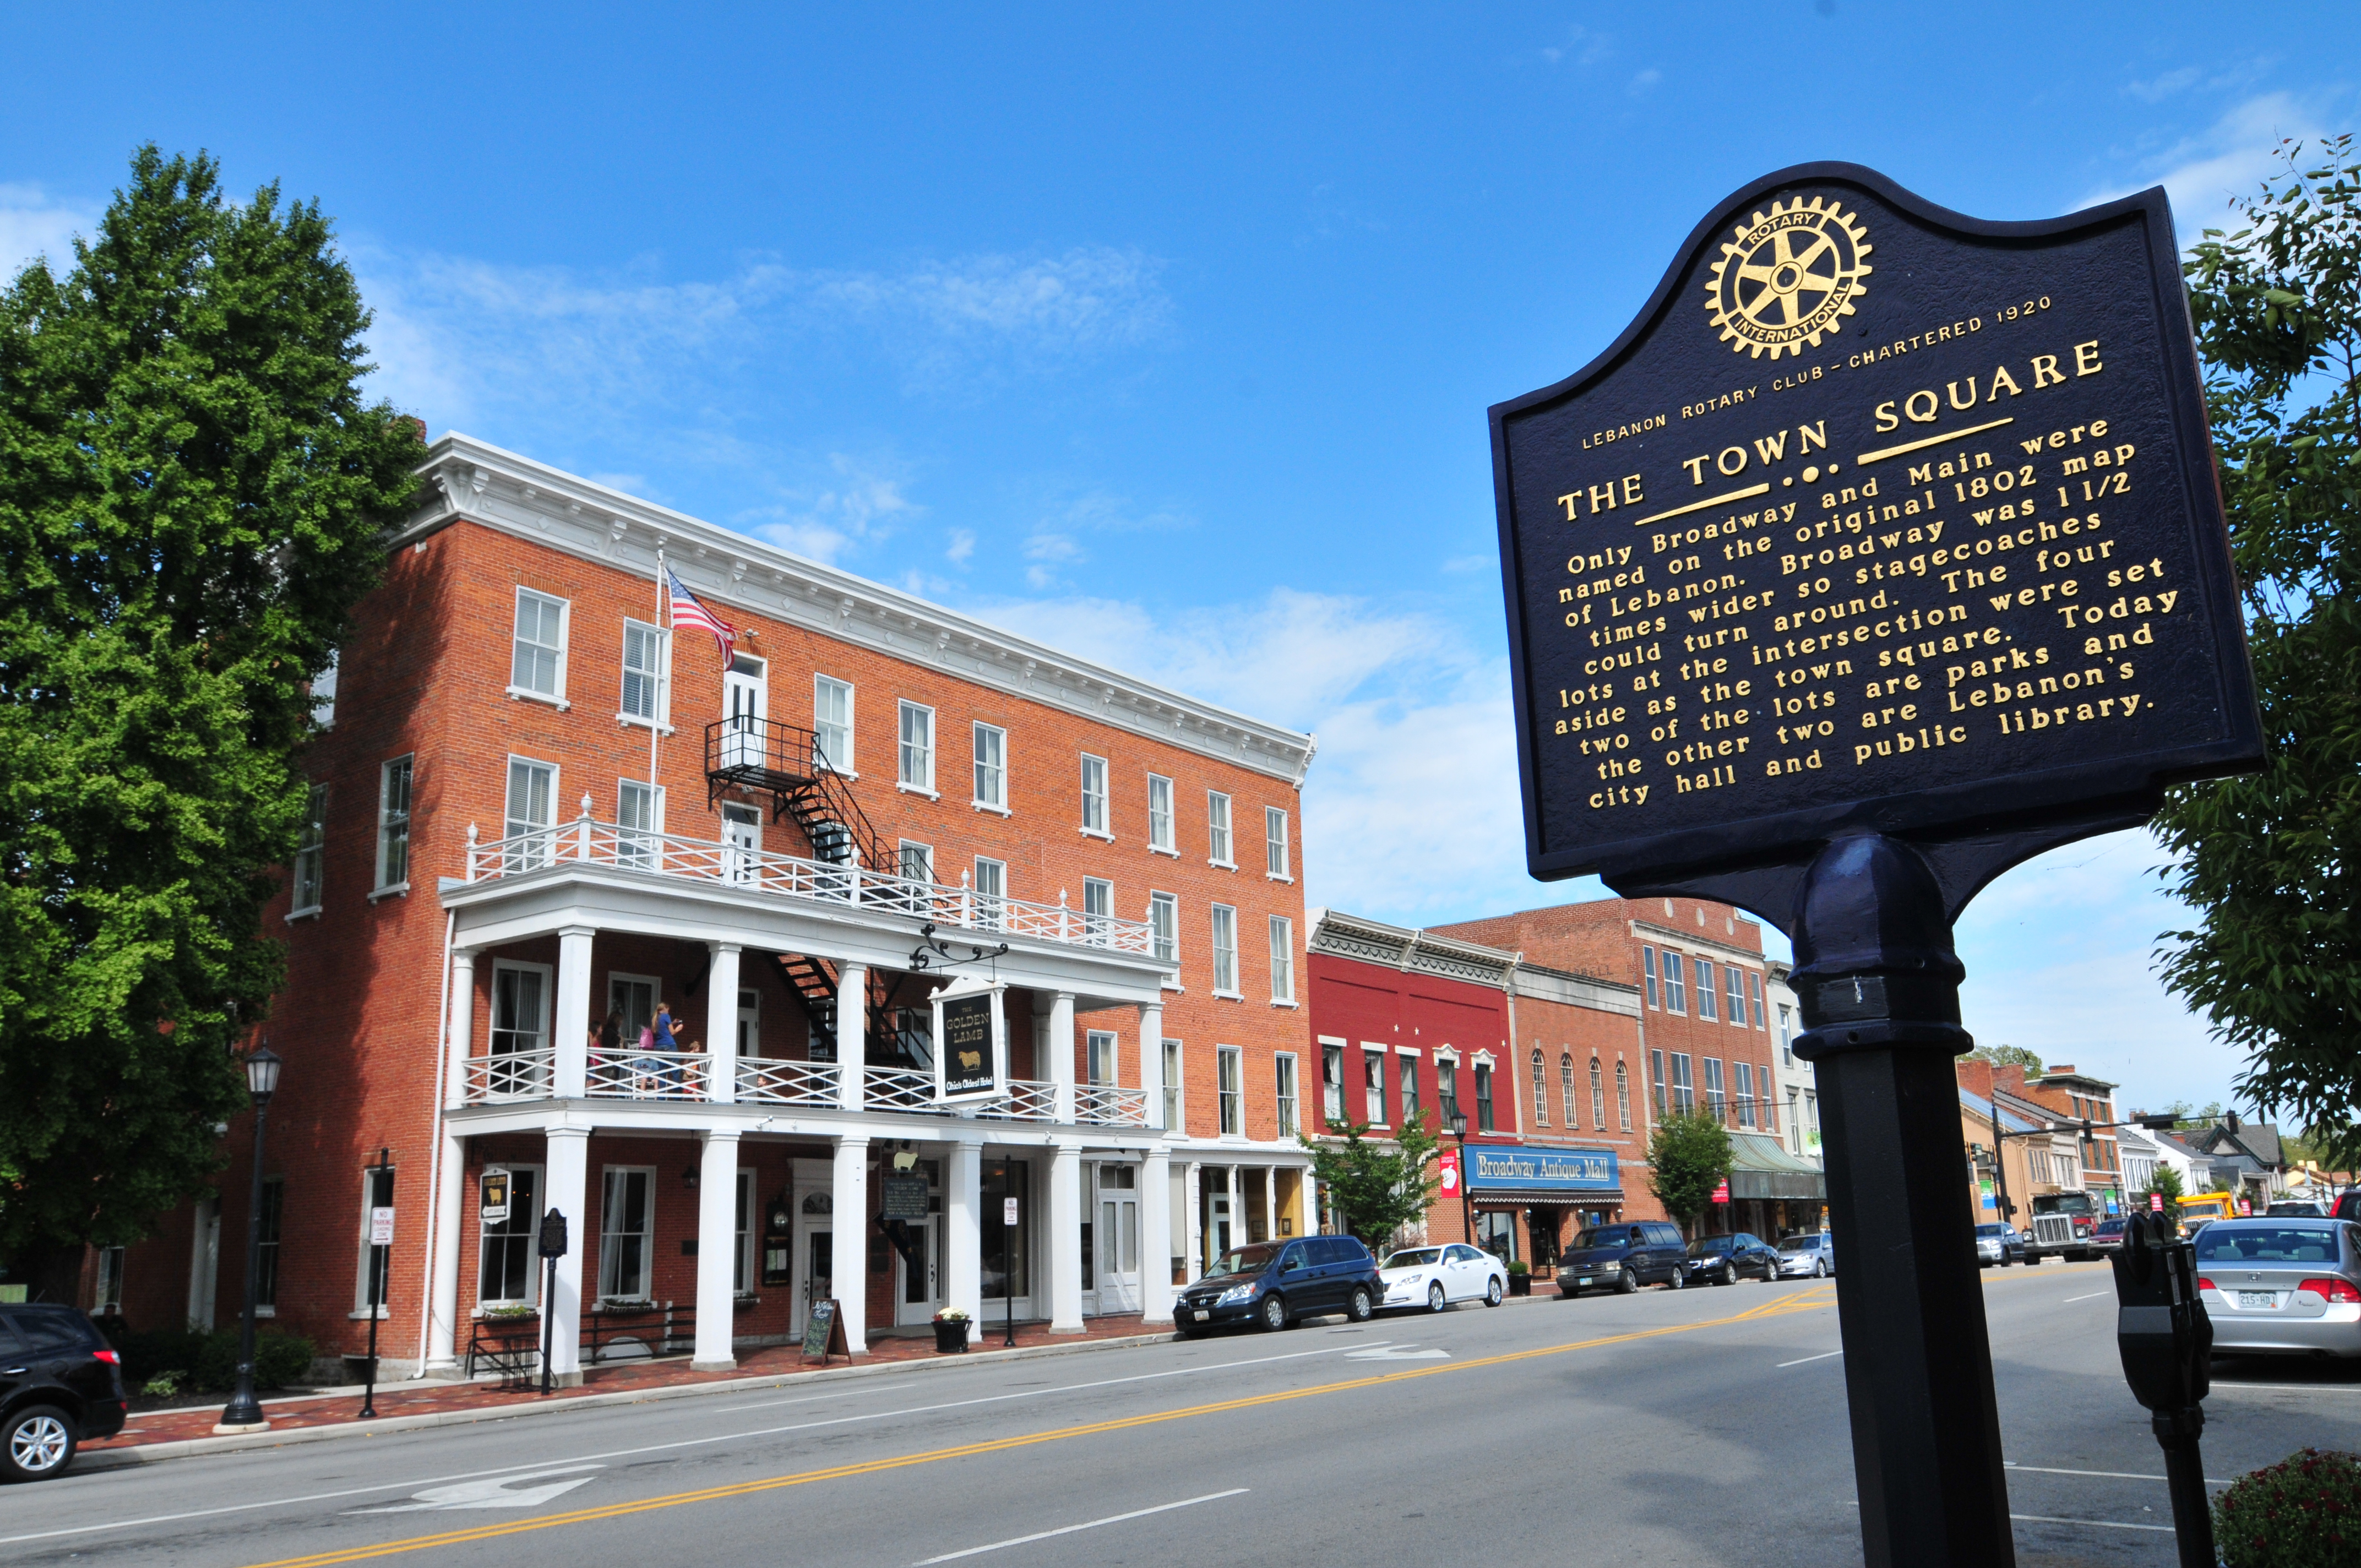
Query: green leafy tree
x=2166, y=1184
x=1688, y=1154
x=192, y=495
x=1377, y=1187
x=2008, y=1056
x=2272, y=862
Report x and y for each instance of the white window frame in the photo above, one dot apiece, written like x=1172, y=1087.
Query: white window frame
x=1164, y=931
x=823, y=687
x=1623, y=1095
x=642, y=854
x=1229, y=1089
x=1733, y=994
x=606, y=1231
x=1276, y=865
x=307, y=880
x=110, y=1280
x=1648, y=963
x=991, y=768
x=1282, y=961
x=518, y=643
x=659, y=716
x=532, y=1263
x=1707, y=1002
x=1223, y=921
x=1406, y=1094
x=1219, y=845
x=1098, y=910
x=393, y=822
x=1332, y=1089
x=541, y=1037
x=323, y=692
x=1676, y=998
x=914, y=758
x=1742, y=1085
x=1094, y=1043
x=1541, y=1089
x=655, y=983
x=1096, y=818
x=741, y=1257
x=1176, y=1090
x=902, y=860
x=1287, y=1082
x=1377, y=1094
x=991, y=902
x=368, y=1254
x=530, y=859
x=1159, y=816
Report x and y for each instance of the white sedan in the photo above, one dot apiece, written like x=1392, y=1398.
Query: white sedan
x=1434, y=1277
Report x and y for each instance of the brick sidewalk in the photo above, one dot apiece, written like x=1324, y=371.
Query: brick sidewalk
x=621, y=1378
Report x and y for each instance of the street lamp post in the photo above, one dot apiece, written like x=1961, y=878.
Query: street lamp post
x=244, y=1412
x=1466, y=1198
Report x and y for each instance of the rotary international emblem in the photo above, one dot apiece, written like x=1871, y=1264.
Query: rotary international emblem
x=1787, y=276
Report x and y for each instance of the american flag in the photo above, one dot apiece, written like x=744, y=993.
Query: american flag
x=687, y=611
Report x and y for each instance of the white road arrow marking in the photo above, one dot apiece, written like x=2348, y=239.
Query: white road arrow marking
x=493, y=1492
x=1397, y=1352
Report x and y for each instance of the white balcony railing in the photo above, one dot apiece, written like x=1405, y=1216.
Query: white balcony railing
x=508, y=1075
x=584, y=842
x=1106, y=1105
x=648, y=1075
x=765, y=1081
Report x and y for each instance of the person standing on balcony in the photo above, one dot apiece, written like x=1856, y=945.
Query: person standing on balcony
x=606, y=1044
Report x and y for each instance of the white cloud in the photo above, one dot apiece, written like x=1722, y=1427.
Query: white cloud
x=34, y=222
x=962, y=548
x=2230, y=158
x=856, y=502
x=2162, y=87
x=1644, y=80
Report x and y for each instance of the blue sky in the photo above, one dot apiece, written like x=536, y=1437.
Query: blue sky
x=1168, y=340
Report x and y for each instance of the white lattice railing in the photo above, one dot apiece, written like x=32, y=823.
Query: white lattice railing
x=584, y=842
x=647, y=1075
x=1028, y=1101
x=508, y=1075
x=765, y=1081
x=1106, y=1105
x=897, y=1089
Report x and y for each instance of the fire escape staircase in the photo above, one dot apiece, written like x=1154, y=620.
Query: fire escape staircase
x=764, y=758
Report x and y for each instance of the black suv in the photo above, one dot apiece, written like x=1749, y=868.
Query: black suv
x=1273, y=1284
x=1623, y=1256
x=60, y=1384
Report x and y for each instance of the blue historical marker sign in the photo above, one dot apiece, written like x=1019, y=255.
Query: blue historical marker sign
x=1877, y=517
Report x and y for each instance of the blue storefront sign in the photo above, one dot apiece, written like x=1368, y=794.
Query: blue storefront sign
x=1541, y=1170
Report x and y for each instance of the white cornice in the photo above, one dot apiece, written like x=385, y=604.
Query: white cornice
x=1691, y=939
x=1339, y=934
x=516, y=495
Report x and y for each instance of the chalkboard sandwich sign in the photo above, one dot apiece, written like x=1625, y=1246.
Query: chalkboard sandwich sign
x=1877, y=518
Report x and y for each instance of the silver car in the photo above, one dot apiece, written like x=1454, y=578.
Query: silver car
x=1813, y=1254
x=2282, y=1286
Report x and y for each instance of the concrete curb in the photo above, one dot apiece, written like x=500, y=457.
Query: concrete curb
x=192, y=1448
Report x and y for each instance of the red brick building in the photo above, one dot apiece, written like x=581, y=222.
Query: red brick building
x=1545, y=1062
x=1700, y=970
x=537, y=809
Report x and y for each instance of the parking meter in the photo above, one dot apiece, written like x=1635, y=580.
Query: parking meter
x=2167, y=1342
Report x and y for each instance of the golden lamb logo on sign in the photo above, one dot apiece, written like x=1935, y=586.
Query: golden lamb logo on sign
x=1787, y=276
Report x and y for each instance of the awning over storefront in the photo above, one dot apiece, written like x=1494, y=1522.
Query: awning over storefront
x=1500, y=1174
x=1759, y=1168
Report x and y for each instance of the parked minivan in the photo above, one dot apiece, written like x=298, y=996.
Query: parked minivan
x=60, y=1384
x=1273, y=1284
x=1623, y=1256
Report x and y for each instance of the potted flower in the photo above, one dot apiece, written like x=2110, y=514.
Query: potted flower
x=1521, y=1277
x=951, y=1332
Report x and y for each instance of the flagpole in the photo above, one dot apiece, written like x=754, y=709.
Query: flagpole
x=663, y=670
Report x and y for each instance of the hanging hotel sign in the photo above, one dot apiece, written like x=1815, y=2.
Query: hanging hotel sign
x=493, y=1188
x=1877, y=516
x=970, y=1041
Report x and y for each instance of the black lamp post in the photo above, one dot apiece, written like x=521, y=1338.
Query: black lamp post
x=244, y=1412
x=1466, y=1198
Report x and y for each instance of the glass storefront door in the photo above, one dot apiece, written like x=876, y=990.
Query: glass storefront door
x=1006, y=1250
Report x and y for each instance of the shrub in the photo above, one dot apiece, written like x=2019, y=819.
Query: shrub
x=209, y=1361
x=163, y=1385
x=1519, y=1266
x=2303, y=1512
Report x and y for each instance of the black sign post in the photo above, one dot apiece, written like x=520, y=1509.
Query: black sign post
x=1882, y=552
x=551, y=1248
x=380, y=1251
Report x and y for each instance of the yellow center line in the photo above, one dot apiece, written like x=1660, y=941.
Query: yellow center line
x=1807, y=1301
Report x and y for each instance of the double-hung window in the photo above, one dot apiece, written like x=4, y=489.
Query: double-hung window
x=1217, y=829
x=505, y=1270
x=1675, y=987
x=1705, y=990
x=1597, y=1096
x=626, y=1224
x=917, y=748
x=1274, y=836
x=1332, y=1081
x=918, y=861
x=537, y=665
x=1406, y=1069
x=741, y=1256
x=1159, y=814
x=1373, y=1074
x=1094, y=795
x=1284, y=1070
x=1282, y=959
x=1164, y=926
x=369, y=1288
x=1715, y=1100
x=1099, y=1057
x=394, y=824
x=1541, y=1090
x=832, y=722
x=1742, y=1077
x=274, y=1209
x=644, y=674
x=324, y=694
x=1566, y=1085
x=1098, y=909
x=1228, y=1067
x=1446, y=1085
x=311, y=866
x=1484, y=1097
x=1175, y=1104
x=639, y=817
x=1754, y=998
x=991, y=893
x=1735, y=979
x=991, y=767
x=1624, y=1095
x=1684, y=1087
x=1656, y=1079
x=1225, y=950
x=531, y=819
x=1648, y=963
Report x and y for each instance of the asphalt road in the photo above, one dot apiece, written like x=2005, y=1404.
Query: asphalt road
x=1704, y=1426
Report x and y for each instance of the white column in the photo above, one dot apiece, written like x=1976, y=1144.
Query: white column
x=443, y=1319
x=571, y=1023
x=1156, y=1236
x=1238, y=1191
x=1269, y=1203
x=721, y=1030
x=1193, y=1221
x=1061, y=1064
x=851, y=1279
x=716, y=1246
x=566, y=1172
x=963, y=1233
x=852, y=1052
x=1151, y=1059
x=1065, y=1238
